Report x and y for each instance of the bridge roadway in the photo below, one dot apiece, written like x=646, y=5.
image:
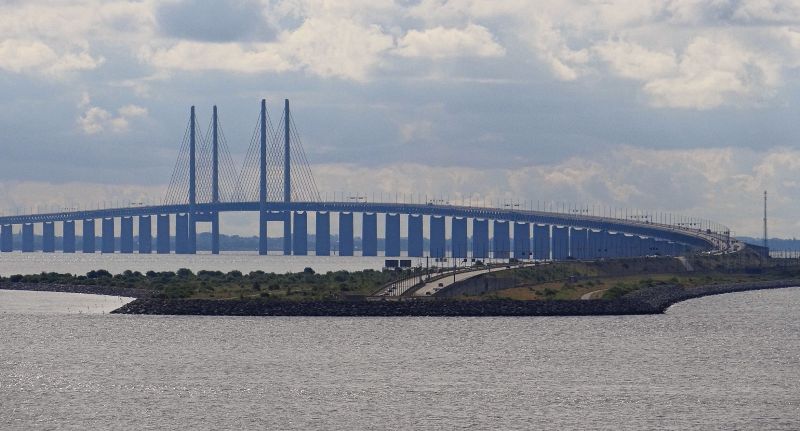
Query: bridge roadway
x=694, y=237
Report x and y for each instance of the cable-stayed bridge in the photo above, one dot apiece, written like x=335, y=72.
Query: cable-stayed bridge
x=276, y=182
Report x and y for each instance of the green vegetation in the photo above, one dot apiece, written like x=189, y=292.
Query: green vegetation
x=563, y=280
x=232, y=285
x=613, y=278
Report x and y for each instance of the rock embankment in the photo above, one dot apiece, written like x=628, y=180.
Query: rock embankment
x=653, y=300
x=662, y=297
x=75, y=288
x=383, y=308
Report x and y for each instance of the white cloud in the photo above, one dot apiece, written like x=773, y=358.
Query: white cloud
x=633, y=61
x=231, y=57
x=96, y=120
x=712, y=73
x=22, y=56
x=329, y=48
x=339, y=48
x=439, y=42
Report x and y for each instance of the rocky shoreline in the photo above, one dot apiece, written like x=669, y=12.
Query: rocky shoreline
x=653, y=300
x=76, y=288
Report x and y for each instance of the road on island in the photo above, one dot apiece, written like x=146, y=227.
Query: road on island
x=433, y=286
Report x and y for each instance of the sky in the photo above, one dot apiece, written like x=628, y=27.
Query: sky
x=683, y=106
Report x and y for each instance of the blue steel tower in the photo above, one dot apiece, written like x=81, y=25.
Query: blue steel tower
x=192, y=185
x=287, y=179
x=262, y=182
x=214, y=181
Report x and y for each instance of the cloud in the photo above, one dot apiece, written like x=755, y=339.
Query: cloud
x=231, y=57
x=216, y=21
x=712, y=73
x=23, y=56
x=439, y=42
x=96, y=120
x=339, y=48
x=327, y=48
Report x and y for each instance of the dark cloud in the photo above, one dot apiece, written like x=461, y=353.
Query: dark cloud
x=215, y=21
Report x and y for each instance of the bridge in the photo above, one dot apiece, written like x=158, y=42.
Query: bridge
x=276, y=182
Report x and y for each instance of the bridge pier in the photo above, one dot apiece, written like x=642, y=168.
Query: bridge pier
x=88, y=236
x=369, y=234
x=6, y=238
x=107, y=238
x=162, y=234
x=541, y=242
x=287, y=233
x=191, y=233
x=415, y=238
x=560, y=242
x=579, y=243
x=594, y=244
x=68, y=236
x=126, y=235
x=500, y=236
x=215, y=232
x=458, y=237
x=300, y=238
x=145, y=235
x=262, y=231
x=322, y=233
x=480, y=238
x=614, y=244
x=48, y=237
x=438, y=243
x=182, y=234
x=27, y=237
x=345, y=234
x=650, y=246
x=392, y=241
x=522, y=240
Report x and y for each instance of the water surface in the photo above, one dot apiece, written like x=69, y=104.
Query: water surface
x=722, y=362
x=79, y=263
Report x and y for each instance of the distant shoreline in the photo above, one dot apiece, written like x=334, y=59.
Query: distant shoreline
x=654, y=300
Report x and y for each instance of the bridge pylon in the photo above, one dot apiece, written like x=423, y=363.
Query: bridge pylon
x=262, y=181
x=191, y=247
x=287, y=178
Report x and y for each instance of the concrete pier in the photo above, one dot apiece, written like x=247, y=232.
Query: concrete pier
x=392, y=241
x=162, y=234
x=458, y=235
x=300, y=236
x=68, y=240
x=182, y=234
x=560, y=242
x=6, y=238
x=126, y=235
x=541, y=241
x=322, y=246
x=27, y=237
x=145, y=235
x=369, y=234
x=501, y=237
x=345, y=234
x=415, y=239
x=437, y=244
x=480, y=238
x=522, y=240
x=88, y=236
x=48, y=237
